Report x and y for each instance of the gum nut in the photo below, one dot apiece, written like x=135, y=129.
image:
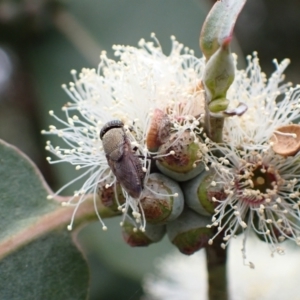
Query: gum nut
x=138, y=238
x=162, y=199
x=199, y=193
x=286, y=140
x=189, y=232
x=186, y=161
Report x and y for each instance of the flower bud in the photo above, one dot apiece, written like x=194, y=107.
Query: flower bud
x=218, y=105
x=159, y=130
x=201, y=192
x=111, y=196
x=218, y=76
x=181, y=157
x=189, y=232
x=162, y=199
x=137, y=238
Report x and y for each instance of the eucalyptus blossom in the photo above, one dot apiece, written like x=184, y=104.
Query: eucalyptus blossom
x=142, y=85
x=257, y=173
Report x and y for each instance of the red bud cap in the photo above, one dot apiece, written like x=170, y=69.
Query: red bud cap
x=162, y=199
x=137, y=238
x=180, y=158
x=111, y=196
x=159, y=130
x=189, y=232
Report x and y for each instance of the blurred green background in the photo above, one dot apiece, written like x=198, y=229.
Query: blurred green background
x=42, y=40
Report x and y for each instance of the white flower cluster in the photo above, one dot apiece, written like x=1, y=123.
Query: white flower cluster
x=128, y=89
x=259, y=188
x=265, y=113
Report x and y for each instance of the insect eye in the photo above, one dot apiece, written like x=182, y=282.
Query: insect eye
x=109, y=125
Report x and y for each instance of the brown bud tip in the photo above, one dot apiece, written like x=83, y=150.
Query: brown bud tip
x=136, y=238
x=181, y=157
x=189, y=232
x=191, y=241
x=286, y=140
x=159, y=130
x=110, y=196
x=163, y=200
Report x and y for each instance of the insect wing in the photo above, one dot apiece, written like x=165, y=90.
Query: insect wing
x=129, y=173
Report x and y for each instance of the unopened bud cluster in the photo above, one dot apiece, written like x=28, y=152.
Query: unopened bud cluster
x=161, y=206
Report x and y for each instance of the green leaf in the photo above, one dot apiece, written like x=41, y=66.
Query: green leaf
x=39, y=257
x=218, y=25
x=48, y=268
x=23, y=193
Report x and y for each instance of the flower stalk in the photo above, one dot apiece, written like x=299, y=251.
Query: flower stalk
x=216, y=258
x=214, y=127
x=218, y=76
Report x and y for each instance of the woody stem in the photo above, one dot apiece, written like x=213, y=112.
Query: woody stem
x=216, y=269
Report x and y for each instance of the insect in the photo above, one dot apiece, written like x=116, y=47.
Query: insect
x=123, y=162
